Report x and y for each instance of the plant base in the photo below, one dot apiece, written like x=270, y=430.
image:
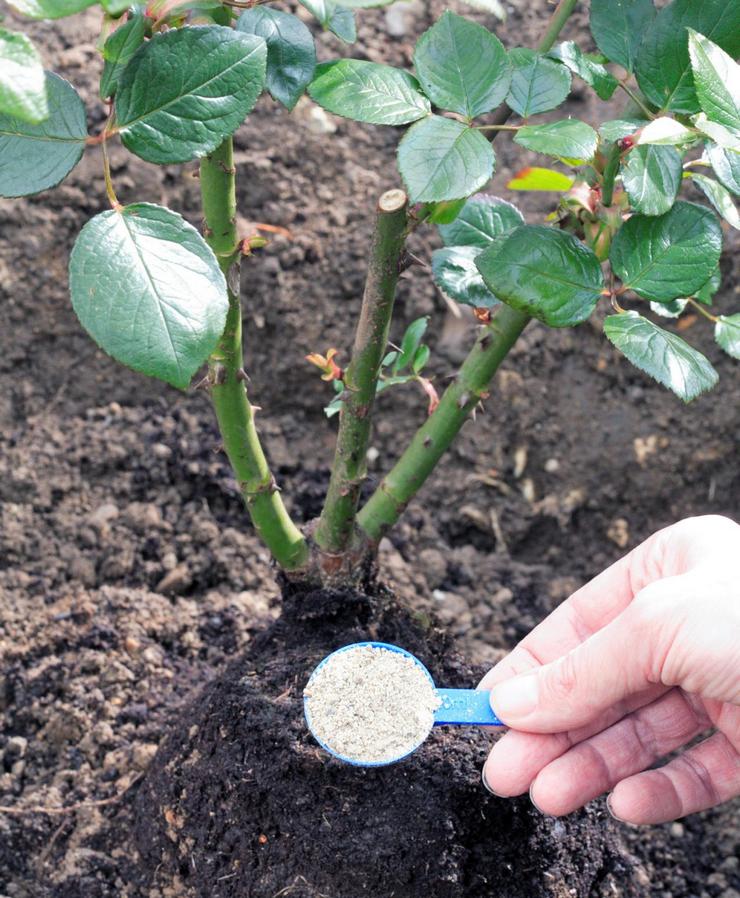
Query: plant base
x=241, y=802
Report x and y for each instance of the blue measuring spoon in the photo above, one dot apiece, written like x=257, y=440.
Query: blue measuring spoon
x=459, y=707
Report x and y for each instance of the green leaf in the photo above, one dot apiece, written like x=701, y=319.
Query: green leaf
x=593, y=73
x=291, y=54
x=537, y=83
x=724, y=137
x=533, y=178
x=336, y=18
x=706, y=292
x=36, y=157
x=323, y=10
x=568, y=139
x=664, y=356
x=727, y=334
x=421, y=357
x=441, y=159
x=410, y=343
x=663, y=67
x=462, y=66
x=50, y=9
x=716, y=81
x=369, y=92
x=618, y=27
x=652, y=177
x=118, y=51
x=615, y=130
x=726, y=165
x=719, y=197
x=343, y=24
x=671, y=309
x=665, y=131
x=22, y=80
x=455, y=273
x=482, y=218
x=444, y=212
x=220, y=74
x=149, y=291
x=668, y=256
x=544, y=272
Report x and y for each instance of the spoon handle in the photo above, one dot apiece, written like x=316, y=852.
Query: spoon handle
x=465, y=706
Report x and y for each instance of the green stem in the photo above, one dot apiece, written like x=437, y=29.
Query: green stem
x=435, y=436
x=336, y=525
x=610, y=174
x=636, y=100
x=226, y=374
x=556, y=24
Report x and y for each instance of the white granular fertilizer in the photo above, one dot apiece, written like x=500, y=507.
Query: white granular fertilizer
x=370, y=704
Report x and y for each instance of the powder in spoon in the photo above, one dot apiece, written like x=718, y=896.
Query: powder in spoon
x=370, y=704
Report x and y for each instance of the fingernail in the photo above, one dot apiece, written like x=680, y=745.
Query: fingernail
x=616, y=816
x=536, y=806
x=611, y=809
x=515, y=698
x=487, y=787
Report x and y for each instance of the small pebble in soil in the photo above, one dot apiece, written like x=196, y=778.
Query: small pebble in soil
x=371, y=705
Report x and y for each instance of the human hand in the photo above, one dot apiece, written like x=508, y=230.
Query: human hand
x=630, y=668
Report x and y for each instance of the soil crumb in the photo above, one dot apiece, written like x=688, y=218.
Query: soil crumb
x=370, y=705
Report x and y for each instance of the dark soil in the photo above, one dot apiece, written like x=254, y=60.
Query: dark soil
x=242, y=802
x=129, y=577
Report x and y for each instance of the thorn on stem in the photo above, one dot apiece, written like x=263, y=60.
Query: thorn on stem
x=218, y=375
x=241, y=375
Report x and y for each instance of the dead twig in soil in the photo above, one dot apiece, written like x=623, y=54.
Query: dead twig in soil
x=72, y=808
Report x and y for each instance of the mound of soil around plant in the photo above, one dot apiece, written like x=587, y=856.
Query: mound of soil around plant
x=241, y=801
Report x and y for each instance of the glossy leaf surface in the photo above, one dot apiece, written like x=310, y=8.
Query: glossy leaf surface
x=482, y=218
x=291, y=54
x=663, y=67
x=716, y=81
x=719, y=197
x=668, y=256
x=187, y=89
x=36, y=157
x=593, y=73
x=661, y=354
x=369, y=92
x=726, y=165
x=569, y=139
x=456, y=274
x=118, y=51
x=149, y=291
x=441, y=159
x=22, y=79
x=652, y=177
x=727, y=334
x=537, y=83
x=462, y=66
x=618, y=26
x=544, y=272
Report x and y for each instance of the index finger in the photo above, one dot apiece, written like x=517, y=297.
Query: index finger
x=589, y=609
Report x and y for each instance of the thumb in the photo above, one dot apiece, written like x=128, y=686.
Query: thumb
x=620, y=660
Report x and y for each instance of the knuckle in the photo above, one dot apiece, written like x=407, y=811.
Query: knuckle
x=561, y=680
